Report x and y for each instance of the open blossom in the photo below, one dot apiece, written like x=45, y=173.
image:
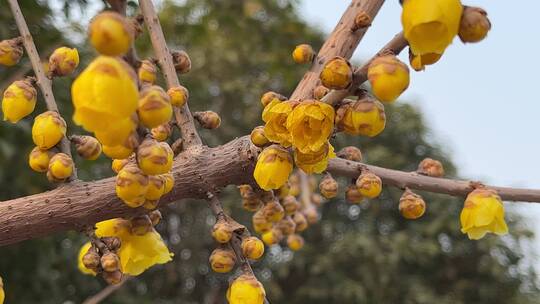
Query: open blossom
x=275, y=116
x=482, y=213
x=273, y=168
x=315, y=162
x=310, y=124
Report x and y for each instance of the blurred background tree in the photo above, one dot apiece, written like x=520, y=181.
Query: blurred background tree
x=356, y=254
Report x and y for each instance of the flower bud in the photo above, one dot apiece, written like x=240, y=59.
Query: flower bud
x=361, y=20
x=179, y=95
x=48, y=129
x=113, y=243
x=11, y=51
x=475, y=24
x=169, y=182
x=91, y=259
x=369, y=184
x=388, y=77
x=208, y=119
x=110, y=262
x=431, y=167
x=274, y=165
x=283, y=191
x=295, y=242
x=155, y=217
x=161, y=132
x=123, y=150
x=63, y=61
x=303, y=54
x=320, y=91
x=147, y=72
x=19, y=100
x=317, y=199
x=350, y=153
x=39, y=159
x=112, y=278
x=222, y=260
x=269, y=96
x=258, y=138
x=154, y=158
x=246, y=289
x=411, y=205
x=141, y=225
x=362, y=117
x=286, y=225
x=181, y=61
x=300, y=221
x=311, y=214
x=272, y=237
x=273, y=211
x=154, y=107
x=328, y=186
x=251, y=204
x=337, y=74
x=118, y=164
x=260, y=223
x=60, y=167
x=222, y=231
x=87, y=147
x=482, y=213
x=294, y=189
x=353, y=195
x=156, y=187
x=111, y=34
x=131, y=185
x=290, y=204
x=252, y=248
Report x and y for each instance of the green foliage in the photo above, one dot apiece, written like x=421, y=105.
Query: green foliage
x=356, y=254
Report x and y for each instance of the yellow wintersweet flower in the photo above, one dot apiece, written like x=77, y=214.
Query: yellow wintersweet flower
x=110, y=33
x=117, y=133
x=19, y=100
x=483, y=212
x=131, y=186
x=310, y=123
x=363, y=117
x=155, y=157
x=48, y=129
x=11, y=52
x=388, y=77
x=137, y=252
x=104, y=93
x=60, y=167
x=154, y=107
x=39, y=159
x=275, y=116
x=82, y=252
x=430, y=25
x=246, y=289
x=63, y=61
x=315, y=162
x=273, y=168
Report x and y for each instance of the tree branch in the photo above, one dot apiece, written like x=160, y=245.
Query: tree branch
x=105, y=292
x=183, y=116
x=341, y=42
x=43, y=82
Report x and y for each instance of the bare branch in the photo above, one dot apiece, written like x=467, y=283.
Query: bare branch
x=43, y=82
x=183, y=116
x=105, y=292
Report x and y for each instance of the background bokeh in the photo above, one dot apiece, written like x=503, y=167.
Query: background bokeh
x=471, y=107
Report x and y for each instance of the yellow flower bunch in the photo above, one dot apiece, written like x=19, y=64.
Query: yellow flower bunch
x=275, y=116
x=273, y=168
x=482, y=213
x=315, y=162
x=310, y=125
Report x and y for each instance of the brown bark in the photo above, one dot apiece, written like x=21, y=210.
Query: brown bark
x=341, y=42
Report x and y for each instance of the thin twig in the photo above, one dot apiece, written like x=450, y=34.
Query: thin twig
x=105, y=292
x=43, y=82
x=182, y=115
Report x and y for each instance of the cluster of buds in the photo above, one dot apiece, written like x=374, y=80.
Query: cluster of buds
x=103, y=259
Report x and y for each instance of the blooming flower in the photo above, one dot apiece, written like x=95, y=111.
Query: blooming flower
x=315, y=162
x=275, y=116
x=310, y=124
x=273, y=168
x=483, y=212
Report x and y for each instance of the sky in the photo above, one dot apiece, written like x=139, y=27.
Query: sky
x=480, y=100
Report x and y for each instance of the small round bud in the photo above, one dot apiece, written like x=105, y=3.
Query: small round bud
x=369, y=184
x=60, y=167
x=19, y=100
x=39, y=159
x=161, y=132
x=283, y=191
x=222, y=231
x=411, y=205
x=63, y=61
x=362, y=117
x=131, y=185
x=300, y=221
x=48, y=129
x=155, y=217
x=317, y=199
x=141, y=225
x=431, y=167
x=350, y=153
x=111, y=34
x=272, y=237
x=361, y=20
x=269, y=96
x=311, y=214
x=320, y=91
x=294, y=189
x=251, y=204
x=328, y=186
x=147, y=72
x=260, y=223
x=273, y=211
x=113, y=243
x=156, y=187
x=91, y=259
x=246, y=289
x=154, y=107
x=303, y=54
x=388, y=77
x=87, y=147
x=110, y=262
x=252, y=248
x=290, y=204
x=337, y=74
x=258, y=138
x=11, y=51
x=208, y=119
x=154, y=157
x=181, y=61
x=246, y=191
x=222, y=260
x=179, y=95
x=286, y=225
x=353, y=195
x=475, y=24
x=295, y=242
x=169, y=182
x=113, y=278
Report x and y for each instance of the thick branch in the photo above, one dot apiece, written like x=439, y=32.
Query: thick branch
x=43, y=82
x=394, y=46
x=183, y=115
x=341, y=42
